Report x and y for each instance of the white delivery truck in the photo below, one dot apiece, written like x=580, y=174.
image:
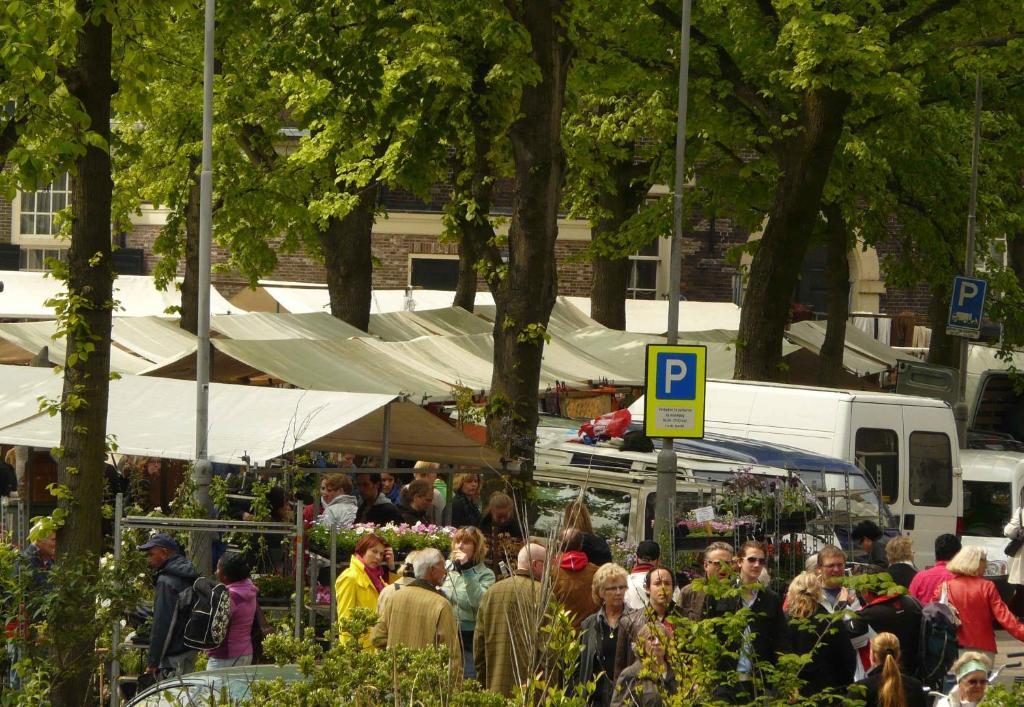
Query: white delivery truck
x=906, y=444
x=993, y=483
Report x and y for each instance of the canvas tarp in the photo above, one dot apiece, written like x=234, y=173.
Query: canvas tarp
x=651, y=316
x=297, y=297
x=264, y=326
x=25, y=295
x=402, y=326
x=343, y=365
x=156, y=417
x=23, y=340
x=862, y=354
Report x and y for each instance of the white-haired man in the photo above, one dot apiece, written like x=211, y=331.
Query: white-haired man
x=419, y=615
x=508, y=625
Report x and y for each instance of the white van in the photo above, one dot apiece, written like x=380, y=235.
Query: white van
x=620, y=487
x=993, y=482
x=906, y=444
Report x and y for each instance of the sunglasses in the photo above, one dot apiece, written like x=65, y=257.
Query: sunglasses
x=977, y=682
x=754, y=560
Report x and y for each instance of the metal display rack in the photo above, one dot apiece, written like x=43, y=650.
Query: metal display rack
x=121, y=523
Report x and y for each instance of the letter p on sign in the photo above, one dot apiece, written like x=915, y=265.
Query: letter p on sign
x=675, y=372
x=968, y=290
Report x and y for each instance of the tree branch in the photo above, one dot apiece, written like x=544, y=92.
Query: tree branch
x=9, y=137
x=913, y=23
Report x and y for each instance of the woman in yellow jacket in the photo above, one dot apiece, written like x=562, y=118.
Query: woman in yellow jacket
x=372, y=568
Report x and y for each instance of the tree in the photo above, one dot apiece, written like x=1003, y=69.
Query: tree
x=780, y=83
x=619, y=135
x=525, y=294
x=837, y=244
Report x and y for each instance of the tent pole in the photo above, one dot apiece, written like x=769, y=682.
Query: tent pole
x=385, y=446
x=298, y=569
x=115, y=633
x=332, y=619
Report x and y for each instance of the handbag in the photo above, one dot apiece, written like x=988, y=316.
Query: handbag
x=944, y=600
x=1013, y=547
x=260, y=629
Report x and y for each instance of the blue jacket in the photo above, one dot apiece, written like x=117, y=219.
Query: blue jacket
x=175, y=575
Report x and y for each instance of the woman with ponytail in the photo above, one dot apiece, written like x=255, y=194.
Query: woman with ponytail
x=886, y=685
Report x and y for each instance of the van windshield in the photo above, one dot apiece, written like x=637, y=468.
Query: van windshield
x=847, y=498
x=987, y=508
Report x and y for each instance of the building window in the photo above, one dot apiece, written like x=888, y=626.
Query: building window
x=437, y=272
x=36, y=210
x=643, y=272
x=37, y=258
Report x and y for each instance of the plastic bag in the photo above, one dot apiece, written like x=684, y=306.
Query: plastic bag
x=611, y=424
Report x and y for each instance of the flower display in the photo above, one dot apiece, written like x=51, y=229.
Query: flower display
x=402, y=537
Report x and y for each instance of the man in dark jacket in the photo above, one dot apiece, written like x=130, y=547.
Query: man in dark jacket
x=898, y=614
x=168, y=654
x=374, y=506
x=416, y=501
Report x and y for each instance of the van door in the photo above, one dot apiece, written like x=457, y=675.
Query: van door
x=877, y=448
x=934, y=494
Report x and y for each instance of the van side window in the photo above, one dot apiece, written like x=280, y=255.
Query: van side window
x=609, y=512
x=987, y=508
x=877, y=452
x=931, y=469
x=549, y=503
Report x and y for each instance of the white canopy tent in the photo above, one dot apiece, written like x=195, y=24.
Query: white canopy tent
x=651, y=316
x=156, y=417
x=300, y=297
x=862, y=354
x=25, y=295
x=265, y=326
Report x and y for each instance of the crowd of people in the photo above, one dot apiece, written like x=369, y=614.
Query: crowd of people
x=487, y=604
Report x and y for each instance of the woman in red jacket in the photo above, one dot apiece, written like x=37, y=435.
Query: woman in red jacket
x=977, y=601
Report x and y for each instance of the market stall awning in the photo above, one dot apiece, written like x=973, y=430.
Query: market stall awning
x=22, y=341
x=402, y=326
x=266, y=326
x=156, y=417
x=25, y=295
x=651, y=316
x=862, y=354
x=299, y=297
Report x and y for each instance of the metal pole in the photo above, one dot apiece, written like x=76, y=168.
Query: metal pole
x=332, y=619
x=385, y=446
x=202, y=471
x=115, y=634
x=960, y=411
x=667, y=459
x=298, y=569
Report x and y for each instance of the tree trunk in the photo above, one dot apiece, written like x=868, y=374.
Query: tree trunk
x=86, y=377
x=830, y=367
x=526, y=294
x=190, y=282
x=475, y=228
x=611, y=272
x=805, y=160
x=943, y=349
x=1015, y=254
x=348, y=258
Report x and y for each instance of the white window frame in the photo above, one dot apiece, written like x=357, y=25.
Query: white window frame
x=30, y=253
x=33, y=240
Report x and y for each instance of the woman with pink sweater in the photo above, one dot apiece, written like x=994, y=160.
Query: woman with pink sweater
x=233, y=572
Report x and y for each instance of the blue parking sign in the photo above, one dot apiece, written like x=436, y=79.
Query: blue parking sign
x=677, y=376
x=966, y=306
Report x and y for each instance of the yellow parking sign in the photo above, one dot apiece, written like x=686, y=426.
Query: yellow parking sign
x=674, y=385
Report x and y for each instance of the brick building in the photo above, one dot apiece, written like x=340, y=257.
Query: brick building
x=407, y=245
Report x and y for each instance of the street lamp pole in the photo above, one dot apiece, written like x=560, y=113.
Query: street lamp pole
x=960, y=411
x=664, y=531
x=202, y=470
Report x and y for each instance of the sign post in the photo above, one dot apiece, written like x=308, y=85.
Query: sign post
x=674, y=386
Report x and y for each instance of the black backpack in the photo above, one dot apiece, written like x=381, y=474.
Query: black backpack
x=938, y=647
x=205, y=611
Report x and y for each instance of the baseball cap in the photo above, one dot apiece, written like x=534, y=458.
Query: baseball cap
x=161, y=540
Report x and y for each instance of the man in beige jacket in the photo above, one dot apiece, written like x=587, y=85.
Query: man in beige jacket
x=418, y=615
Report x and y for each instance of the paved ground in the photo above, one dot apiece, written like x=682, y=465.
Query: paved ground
x=1007, y=644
